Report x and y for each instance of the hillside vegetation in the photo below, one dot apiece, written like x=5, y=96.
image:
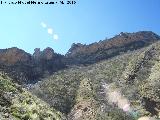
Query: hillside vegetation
x=16, y=103
x=125, y=87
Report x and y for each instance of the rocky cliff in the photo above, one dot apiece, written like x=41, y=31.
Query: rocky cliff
x=25, y=68
x=88, y=54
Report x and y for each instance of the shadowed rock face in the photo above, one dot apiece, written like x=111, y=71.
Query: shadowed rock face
x=37, y=53
x=47, y=54
x=150, y=105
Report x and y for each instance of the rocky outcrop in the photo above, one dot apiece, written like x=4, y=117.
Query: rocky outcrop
x=47, y=54
x=37, y=53
x=88, y=54
x=47, y=61
x=14, y=55
x=25, y=68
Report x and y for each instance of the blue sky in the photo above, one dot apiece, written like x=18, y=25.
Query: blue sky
x=88, y=21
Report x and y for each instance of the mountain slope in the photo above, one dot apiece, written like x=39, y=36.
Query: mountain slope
x=16, y=103
x=88, y=93
x=25, y=68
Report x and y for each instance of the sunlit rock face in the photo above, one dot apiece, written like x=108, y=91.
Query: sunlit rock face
x=48, y=53
x=108, y=48
x=13, y=55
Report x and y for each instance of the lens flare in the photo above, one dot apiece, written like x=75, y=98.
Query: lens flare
x=115, y=96
x=126, y=107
